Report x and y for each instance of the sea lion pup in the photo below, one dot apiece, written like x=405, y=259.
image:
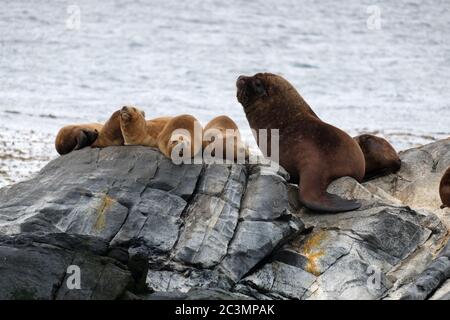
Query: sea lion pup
x=221, y=132
x=444, y=189
x=311, y=150
x=137, y=131
x=181, y=138
x=75, y=137
x=110, y=134
x=380, y=156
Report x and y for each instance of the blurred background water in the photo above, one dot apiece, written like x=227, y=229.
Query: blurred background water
x=374, y=66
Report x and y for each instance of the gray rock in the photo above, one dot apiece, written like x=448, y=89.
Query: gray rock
x=431, y=278
x=209, y=226
x=36, y=267
x=417, y=182
x=139, y=227
x=169, y=227
x=154, y=220
x=283, y=279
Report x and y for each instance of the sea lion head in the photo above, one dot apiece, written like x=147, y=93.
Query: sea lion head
x=131, y=113
x=132, y=124
x=263, y=88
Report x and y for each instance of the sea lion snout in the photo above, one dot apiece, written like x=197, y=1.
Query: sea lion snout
x=125, y=114
x=241, y=81
x=250, y=89
x=242, y=93
x=128, y=112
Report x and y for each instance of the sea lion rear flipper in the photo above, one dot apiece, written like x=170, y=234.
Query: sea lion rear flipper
x=86, y=138
x=313, y=195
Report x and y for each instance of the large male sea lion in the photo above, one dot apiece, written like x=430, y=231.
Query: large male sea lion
x=110, y=134
x=380, y=156
x=444, y=189
x=75, y=137
x=138, y=131
x=220, y=133
x=311, y=150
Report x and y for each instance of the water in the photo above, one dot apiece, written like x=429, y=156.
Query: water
x=170, y=57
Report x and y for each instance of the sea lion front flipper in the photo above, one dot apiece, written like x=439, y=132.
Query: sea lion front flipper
x=333, y=204
x=86, y=138
x=312, y=194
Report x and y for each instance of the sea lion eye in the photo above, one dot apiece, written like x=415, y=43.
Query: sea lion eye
x=258, y=87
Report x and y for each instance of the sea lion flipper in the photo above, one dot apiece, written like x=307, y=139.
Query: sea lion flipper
x=313, y=195
x=86, y=138
x=333, y=203
x=328, y=202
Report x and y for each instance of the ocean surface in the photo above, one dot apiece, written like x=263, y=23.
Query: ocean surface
x=379, y=66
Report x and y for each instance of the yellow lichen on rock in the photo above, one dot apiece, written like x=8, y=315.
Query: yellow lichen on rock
x=312, y=251
x=104, y=206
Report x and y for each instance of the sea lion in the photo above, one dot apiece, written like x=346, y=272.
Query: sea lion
x=311, y=150
x=444, y=189
x=75, y=137
x=181, y=133
x=380, y=156
x=110, y=134
x=221, y=132
x=138, y=131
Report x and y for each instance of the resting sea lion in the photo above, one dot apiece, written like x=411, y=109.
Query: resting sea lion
x=138, y=131
x=380, y=156
x=311, y=150
x=444, y=189
x=75, y=137
x=184, y=132
x=110, y=134
x=220, y=132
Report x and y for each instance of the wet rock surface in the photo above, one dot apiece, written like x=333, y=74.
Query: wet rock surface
x=139, y=227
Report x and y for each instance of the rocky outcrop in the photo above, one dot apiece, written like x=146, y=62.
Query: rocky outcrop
x=128, y=212
x=417, y=182
x=136, y=226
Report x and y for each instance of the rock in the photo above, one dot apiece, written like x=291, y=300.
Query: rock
x=35, y=267
x=347, y=256
x=143, y=222
x=416, y=184
x=431, y=278
x=137, y=226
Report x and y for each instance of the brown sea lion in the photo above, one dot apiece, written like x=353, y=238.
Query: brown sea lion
x=138, y=131
x=75, y=137
x=181, y=133
x=221, y=132
x=444, y=189
x=380, y=156
x=311, y=150
x=110, y=134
